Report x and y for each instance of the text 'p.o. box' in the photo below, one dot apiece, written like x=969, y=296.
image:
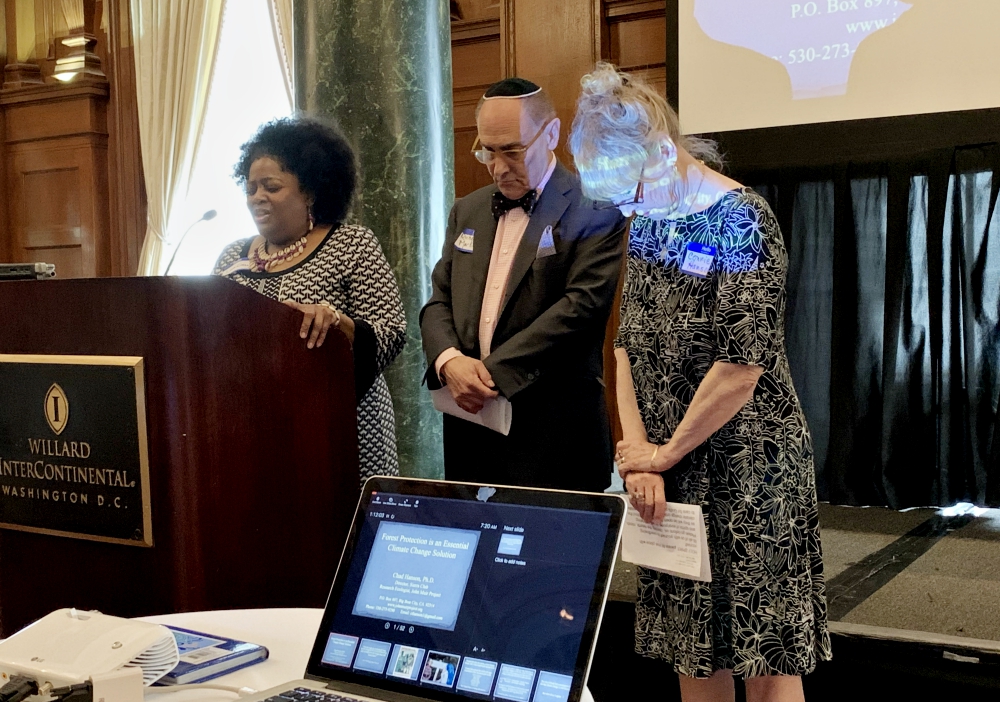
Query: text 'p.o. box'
x=73, y=454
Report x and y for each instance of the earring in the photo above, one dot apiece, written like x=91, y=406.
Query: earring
x=312, y=220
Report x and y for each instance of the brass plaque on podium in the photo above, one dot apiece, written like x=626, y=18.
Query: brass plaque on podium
x=74, y=459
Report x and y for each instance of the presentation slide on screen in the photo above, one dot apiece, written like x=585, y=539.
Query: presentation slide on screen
x=417, y=574
x=411, y=609
x=745, y=64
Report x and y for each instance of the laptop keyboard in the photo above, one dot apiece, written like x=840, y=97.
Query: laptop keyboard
x=304, y=694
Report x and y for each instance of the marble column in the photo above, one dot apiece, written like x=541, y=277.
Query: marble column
x=382, y=69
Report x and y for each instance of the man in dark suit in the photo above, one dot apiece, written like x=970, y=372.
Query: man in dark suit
x=521, y=297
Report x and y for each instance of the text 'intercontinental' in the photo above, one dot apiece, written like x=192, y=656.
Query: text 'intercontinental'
x=44, y=470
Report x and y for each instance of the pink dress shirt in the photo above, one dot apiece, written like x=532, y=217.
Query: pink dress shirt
x=510, y=230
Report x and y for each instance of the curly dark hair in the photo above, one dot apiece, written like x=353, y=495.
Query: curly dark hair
x=314, y=151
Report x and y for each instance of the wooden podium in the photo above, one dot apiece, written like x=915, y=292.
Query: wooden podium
x=253, y=463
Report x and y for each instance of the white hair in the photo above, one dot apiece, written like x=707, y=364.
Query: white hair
x=619, y=124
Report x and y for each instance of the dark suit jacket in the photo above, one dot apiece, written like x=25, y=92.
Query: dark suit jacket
x=547, y=350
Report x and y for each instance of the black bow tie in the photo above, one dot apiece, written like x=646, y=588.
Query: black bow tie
x=503, y=204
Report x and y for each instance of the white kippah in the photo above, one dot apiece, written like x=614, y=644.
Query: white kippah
x=512, y=97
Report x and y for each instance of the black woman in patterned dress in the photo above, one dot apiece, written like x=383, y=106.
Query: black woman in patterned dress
x=707, y=406
x=299, y=175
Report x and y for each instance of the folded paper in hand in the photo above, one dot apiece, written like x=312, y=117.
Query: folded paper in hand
x=678, y=546
x=495, y=414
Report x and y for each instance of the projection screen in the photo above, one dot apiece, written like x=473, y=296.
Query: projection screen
x=745, y=64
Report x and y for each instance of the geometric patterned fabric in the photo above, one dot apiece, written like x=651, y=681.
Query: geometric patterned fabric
x=348, y=270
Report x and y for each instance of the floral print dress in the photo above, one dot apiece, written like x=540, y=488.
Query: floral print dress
x=764, y=613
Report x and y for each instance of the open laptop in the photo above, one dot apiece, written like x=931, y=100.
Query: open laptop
x=451, y=591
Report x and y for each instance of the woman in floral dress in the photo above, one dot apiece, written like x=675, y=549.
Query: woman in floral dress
x=707, y=405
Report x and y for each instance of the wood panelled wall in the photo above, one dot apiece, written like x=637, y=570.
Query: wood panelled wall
x=72, y=185
x=56, y=176
x=476, y=62
x=553, y=44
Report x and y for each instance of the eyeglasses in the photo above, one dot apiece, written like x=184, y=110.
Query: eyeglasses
x=514, y=155
x=636, y=199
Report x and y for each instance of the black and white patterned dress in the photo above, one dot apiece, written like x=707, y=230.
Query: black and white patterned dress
x=764, y=613
x=348, y=270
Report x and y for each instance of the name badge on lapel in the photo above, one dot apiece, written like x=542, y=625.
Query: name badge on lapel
x=546, y=245
x=465, y=240
x=698, y=259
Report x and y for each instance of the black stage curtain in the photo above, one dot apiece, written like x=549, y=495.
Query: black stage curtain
x=893, y=323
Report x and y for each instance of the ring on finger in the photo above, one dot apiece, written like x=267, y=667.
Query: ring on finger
x=334, y=310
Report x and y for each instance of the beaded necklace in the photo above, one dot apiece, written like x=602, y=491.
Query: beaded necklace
x=262, y=261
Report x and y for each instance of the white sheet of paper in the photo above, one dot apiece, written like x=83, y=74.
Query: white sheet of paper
x=678, y=546
x=495, y=414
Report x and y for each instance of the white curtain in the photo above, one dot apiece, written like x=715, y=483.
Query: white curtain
x=72, y=11
x=281, y=24
x=175, y=43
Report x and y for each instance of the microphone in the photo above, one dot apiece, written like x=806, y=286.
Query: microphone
x=204, y=218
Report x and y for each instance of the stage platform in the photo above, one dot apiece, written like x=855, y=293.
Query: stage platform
x=914, y=603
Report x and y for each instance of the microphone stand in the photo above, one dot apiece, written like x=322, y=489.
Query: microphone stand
x=204, y=218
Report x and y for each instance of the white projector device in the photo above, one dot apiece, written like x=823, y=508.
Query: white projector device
x=70, y=646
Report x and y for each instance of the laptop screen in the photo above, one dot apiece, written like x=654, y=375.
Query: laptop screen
x=470, y=592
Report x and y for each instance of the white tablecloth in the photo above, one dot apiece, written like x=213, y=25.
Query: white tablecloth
x=287, y=633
